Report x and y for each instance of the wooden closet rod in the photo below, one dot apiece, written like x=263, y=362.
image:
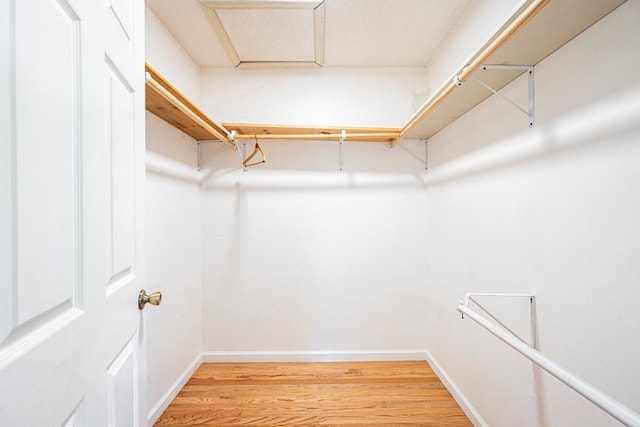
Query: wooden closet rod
x=186, y=110
x=531, y=11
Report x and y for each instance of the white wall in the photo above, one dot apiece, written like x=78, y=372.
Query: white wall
x=551, y=210
x=304, y=262
x=172, y=227
x=165, y=55
x=313, y=96
x=174, y=329
x=301, y=261
x=480, y=21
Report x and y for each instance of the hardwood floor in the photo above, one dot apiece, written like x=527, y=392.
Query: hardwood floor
x=314, y=394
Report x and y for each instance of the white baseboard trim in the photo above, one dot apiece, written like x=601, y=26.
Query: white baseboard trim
x=312, y=356
x=457, y=394
x=173, y=391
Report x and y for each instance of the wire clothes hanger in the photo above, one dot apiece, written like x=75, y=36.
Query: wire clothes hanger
x=256, y=150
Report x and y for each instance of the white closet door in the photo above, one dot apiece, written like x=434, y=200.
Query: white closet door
x=71, y=170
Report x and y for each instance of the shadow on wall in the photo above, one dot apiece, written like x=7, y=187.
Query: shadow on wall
x=599, y=122
x=166, y=141
x=318, y=157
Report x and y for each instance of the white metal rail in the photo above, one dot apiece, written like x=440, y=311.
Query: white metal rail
x=605, y=402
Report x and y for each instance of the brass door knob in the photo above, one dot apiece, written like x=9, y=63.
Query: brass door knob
x=153, y=299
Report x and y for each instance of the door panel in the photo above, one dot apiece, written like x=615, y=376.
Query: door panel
x=121, y=392
x=74, y=419
x=122, y=12
x=123, y=35
x=120, y=133
x=51, y=239
x=42, y=299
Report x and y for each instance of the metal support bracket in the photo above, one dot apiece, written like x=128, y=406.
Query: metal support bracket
x=341, y=147
x=198, y=154
x=532, y=312
x=243, y=154
x=531, y=111
x=426, y=153
x=231, y=137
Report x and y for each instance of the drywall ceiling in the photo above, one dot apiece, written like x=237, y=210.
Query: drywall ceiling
x=334, y=33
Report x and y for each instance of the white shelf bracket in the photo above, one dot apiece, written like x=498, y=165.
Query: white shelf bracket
x=426, y=153
x=341, y=147
x=231, y=137
x=243, y=154
x=531, y=110
x=198, y=154
x=470, y=297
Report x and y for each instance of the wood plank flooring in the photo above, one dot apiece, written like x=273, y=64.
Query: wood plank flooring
x=314, y=394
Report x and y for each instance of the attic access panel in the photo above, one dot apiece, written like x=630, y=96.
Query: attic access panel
x=259, y=33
